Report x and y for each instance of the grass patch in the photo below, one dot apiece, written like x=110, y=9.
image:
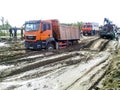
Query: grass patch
x=112, y=78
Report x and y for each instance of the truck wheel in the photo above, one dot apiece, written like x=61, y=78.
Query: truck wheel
x=101, y=36
x=117, y=38
x=92, y=33
x=84, y=33
x=50, y=47
x=75, y=42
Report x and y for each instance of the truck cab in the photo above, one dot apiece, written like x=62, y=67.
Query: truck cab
x=90, y=28
x=38, y=34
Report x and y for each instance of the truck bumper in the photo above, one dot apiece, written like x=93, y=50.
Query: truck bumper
x=34, y=45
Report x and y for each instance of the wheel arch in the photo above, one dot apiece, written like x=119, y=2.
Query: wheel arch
x=50, y=41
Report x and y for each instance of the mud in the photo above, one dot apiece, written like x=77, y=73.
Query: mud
x=78, y=67
x=111, y=80
x=36, y=64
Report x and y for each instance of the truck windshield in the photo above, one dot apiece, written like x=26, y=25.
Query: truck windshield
x=87, y=26
x=31, y=26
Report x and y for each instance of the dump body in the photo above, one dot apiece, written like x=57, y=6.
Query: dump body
x=65, y=32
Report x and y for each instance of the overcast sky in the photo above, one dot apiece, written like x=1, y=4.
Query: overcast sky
x=66, y=11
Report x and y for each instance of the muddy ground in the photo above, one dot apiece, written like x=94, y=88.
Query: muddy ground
x=85, y=66
x=111, y=80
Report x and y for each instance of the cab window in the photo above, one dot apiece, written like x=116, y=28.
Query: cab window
x=45, y=26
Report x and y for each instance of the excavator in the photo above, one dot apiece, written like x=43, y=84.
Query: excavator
x=108, y=30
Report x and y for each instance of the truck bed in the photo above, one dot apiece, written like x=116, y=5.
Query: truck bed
x=68, y=33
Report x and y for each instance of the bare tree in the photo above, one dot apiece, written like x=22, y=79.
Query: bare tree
x=2, y=20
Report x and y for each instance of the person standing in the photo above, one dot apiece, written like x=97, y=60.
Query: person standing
x=11, y=33
x=21, y=33
x=15, y=32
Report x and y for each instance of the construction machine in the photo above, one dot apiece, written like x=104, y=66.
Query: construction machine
x=108, y=30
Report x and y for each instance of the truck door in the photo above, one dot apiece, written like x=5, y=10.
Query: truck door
x=46, y=31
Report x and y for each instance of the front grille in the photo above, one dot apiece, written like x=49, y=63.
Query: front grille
x=31, y=37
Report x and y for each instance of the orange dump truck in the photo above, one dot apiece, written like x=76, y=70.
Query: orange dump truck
x=49, y=34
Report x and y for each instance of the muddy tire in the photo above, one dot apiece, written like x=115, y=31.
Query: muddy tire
x=84, y=33
x=101, y=36
x=50, y=47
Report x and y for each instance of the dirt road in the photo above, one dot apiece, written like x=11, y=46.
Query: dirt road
x=79, y=67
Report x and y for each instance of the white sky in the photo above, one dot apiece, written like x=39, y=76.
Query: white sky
x=66, y=11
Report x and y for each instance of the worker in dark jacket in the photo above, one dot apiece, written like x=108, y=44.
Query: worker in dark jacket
x=15, y=32
x=21, y=33
x=11, y=33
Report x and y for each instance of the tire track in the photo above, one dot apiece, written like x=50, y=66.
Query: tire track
x=47, y=64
